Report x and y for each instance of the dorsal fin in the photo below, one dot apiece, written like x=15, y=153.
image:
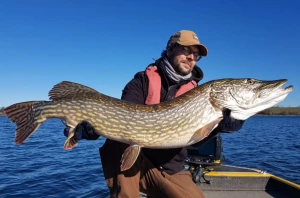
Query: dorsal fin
x=67, y=89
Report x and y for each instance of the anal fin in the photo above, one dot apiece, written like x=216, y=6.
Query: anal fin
x=129, y=157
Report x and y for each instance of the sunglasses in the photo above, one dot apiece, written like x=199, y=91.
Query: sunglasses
x=187, y=51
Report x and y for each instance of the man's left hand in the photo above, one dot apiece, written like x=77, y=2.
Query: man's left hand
x=229, y=124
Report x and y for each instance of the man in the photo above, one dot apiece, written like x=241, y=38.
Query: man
x=157, y=172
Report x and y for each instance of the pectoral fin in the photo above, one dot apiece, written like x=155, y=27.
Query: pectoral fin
x=204, y=131
x=129, y=157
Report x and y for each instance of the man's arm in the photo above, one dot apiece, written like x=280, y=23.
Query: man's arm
x=135, y=91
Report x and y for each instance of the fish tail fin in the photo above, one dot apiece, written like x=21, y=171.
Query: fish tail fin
x=23, y=114
x=70, y=143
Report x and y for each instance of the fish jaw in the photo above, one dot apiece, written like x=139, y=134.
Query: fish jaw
x=268, y=94
x=243, y=113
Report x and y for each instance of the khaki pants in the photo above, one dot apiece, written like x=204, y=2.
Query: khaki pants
x=143, y=176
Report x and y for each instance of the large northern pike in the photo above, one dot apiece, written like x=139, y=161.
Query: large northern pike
x=183, y=121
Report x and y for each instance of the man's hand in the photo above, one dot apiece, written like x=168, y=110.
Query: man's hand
x=83, y=131
x=229, y=124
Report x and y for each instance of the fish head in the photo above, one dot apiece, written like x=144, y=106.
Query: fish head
x=246, y=97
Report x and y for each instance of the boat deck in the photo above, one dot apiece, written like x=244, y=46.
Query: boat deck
x=226, y=181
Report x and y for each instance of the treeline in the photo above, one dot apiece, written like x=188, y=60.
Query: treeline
x=281, y=111
x=1, y=111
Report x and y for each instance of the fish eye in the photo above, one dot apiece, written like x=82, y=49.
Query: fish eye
x=250, y=81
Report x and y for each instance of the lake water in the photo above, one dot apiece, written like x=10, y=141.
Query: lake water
x=41, y=168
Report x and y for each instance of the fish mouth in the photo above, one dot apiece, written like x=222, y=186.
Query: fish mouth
x=274, y=88
x=265, y=95
x=271, y=92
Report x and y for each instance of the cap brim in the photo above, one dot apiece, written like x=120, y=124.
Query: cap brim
x=202, y=50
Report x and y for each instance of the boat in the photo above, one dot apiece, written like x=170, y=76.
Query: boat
x=220, y=180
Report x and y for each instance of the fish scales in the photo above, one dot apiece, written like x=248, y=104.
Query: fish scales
x=168, y=120
x=183, y=121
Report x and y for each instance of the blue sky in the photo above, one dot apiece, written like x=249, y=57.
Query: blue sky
x=102, y=44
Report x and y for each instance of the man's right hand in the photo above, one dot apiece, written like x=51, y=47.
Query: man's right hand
x=83, y=131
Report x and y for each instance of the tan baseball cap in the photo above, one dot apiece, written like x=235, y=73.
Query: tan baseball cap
x=187, y=38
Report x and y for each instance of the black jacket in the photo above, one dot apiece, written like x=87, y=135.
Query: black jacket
x=136, y=91
x=171, y=160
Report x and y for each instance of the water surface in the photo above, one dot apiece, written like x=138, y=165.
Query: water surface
x=41, y=168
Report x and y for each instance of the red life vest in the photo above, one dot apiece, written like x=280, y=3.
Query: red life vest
x=154, y=86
